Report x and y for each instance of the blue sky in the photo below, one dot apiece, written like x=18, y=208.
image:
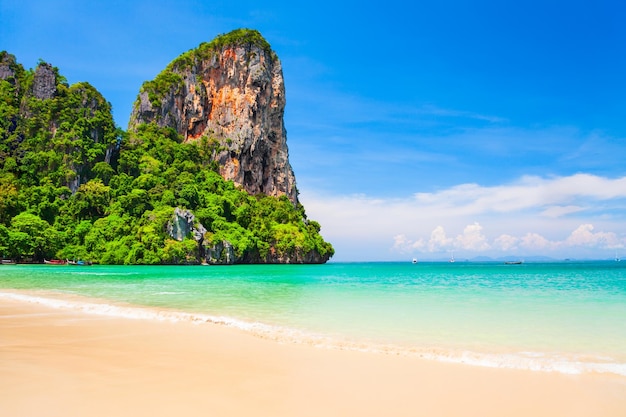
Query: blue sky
x=483, y=128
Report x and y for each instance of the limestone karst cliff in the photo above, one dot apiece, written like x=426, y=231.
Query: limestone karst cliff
x=202, y=175
x=230, y=92
x=62, y=131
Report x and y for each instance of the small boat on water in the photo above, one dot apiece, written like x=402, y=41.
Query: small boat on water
x=54, y=262
x=8, y=262
x=78, y=263
x=513, y=262
x=414, y=260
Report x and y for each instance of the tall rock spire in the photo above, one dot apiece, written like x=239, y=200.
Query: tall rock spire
x=231, y=93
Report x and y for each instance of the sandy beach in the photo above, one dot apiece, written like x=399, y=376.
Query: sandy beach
x=56, y=362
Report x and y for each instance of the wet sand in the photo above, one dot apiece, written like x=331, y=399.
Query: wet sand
x=56, y=362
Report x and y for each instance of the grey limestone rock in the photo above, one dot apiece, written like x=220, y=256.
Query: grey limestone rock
x=44, y=82
x=183, y=224
x=6, y=64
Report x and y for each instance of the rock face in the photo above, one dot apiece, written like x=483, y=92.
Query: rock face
x=231, y=92
x=44, y=82
x=183, y=224
x=7, y=64
x=221, y=253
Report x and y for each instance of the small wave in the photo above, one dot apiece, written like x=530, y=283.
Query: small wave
x=533, y=361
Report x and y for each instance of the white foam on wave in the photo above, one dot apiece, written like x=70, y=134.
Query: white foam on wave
x=129, y=312
x=533, y=361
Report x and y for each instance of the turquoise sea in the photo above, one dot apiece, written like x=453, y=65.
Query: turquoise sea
x=565, y=317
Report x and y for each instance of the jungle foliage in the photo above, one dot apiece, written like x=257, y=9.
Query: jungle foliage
x=74, y=186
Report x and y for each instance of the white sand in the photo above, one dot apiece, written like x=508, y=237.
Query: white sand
x=56, y=362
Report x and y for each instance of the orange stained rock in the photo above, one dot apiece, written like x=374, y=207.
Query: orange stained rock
x=229, y=53
x=226, y=97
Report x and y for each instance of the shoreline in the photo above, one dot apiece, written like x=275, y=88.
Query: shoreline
x=57, y=361
x=520, y=359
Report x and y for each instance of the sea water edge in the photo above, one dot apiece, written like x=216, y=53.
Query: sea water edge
x=561, y=317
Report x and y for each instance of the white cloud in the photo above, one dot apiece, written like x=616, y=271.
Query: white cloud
x=532, y=216
x=472, y=239
x=438, y=240
x=560, y=211
x=505, y=242
x=584, y=236
x=404, y=245
x=401, y=242
x=430, y=109
x=530, y=192
x=536, y=243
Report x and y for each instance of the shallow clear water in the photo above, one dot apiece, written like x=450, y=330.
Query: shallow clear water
x=568, y=316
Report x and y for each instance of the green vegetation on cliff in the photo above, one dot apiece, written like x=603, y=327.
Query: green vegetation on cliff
x=237, y=37
x=240, y=37
x=74, y=186
x=55, y=140
x=161, y=85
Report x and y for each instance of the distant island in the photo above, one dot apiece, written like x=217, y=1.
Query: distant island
x=201, y=175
